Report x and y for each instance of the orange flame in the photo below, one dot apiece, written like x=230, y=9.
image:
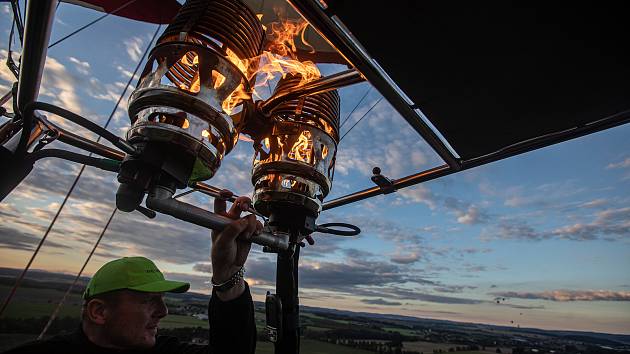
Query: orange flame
x=324, y=151
x=303, y=148
x=279, y=59
x=194, y=86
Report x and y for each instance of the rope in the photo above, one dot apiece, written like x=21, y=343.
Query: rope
x=91, y=23
x=360, y=119
x=76, y=279
x=74, y=183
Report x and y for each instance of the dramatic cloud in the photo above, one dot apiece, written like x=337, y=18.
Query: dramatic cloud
x=15, y=239
x=569, y=295
x=380, y=302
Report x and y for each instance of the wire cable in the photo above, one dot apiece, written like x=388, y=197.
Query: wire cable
x=17, y=18
x=76, y=279
x=360, y=119
x=90, y=24
x=355, y=107
x=74, y=183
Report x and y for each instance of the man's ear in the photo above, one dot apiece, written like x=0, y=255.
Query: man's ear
x=97, y=311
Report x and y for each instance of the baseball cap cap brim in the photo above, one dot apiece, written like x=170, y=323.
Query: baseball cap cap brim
x=162, y=286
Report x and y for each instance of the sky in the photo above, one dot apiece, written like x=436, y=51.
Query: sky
x=547, y=231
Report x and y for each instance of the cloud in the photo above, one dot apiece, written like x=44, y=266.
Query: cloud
x=15, y=239
x=453, y=288
x=622, y=164
x=197, y=282
x=569, y=295
x=382, y=139
x=82, y=67
x=134, y=48
x=594, y=203
x=406, y=258
x=466, y=213
x=203, y=267
x=380, y=302
x=418, y=194
x=609, y=224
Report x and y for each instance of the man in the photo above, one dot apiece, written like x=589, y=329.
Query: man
x=124, y=301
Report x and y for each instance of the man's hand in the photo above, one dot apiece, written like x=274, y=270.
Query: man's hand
x=230, y=247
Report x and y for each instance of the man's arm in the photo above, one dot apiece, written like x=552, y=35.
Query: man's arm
x=232, y=324
x=231, y=311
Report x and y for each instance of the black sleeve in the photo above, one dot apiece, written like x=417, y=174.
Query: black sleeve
x=232, y=325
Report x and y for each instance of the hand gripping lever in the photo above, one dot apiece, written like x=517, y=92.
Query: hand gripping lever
x=161, y=200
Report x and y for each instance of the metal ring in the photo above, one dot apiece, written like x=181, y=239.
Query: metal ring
x=324, y=228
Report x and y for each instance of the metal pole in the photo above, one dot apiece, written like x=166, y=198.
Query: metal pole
x=332, y=82
x=411, y=180
x=287, y=290
x=509, y=151
x=39, y=20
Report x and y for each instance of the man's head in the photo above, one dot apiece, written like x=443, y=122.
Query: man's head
x=124, y=303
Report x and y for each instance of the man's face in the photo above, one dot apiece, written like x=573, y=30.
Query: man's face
x=133, y=320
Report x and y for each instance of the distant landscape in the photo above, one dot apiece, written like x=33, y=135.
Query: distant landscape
x=323, y=330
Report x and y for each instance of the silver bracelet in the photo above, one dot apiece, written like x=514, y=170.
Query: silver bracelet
x=229, y=284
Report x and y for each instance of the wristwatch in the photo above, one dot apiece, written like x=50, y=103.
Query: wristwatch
x=229, y=284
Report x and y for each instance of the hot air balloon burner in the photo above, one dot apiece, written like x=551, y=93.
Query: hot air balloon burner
x=294, y=163
x=191, y=98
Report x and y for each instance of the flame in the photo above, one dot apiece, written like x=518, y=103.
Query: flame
x=260, y=16
x=266, y=141
x=194, y=86
x=303, y=147
x=327, y=127
x=324, y=151
x=280, y=58
x=205, y=133
x=218, y=79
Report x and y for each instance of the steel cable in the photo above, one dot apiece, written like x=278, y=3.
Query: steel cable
x=355, y=107
x=74, y=183
x=360, y=119
x=90, y=24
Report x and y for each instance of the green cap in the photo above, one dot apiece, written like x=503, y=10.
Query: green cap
x=133, y=273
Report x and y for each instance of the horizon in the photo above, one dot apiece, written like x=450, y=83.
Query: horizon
x=547, y=230
x=316, y=308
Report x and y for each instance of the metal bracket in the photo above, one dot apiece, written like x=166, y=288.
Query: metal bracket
x=384, y=183
x=273, y=310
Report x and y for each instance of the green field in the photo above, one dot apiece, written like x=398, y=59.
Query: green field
x=308, y=346
x=428, y=347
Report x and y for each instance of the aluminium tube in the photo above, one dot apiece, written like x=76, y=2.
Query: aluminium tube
x=328, y=83
x=160, y=199
x=39, y=20
x=83, y=143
